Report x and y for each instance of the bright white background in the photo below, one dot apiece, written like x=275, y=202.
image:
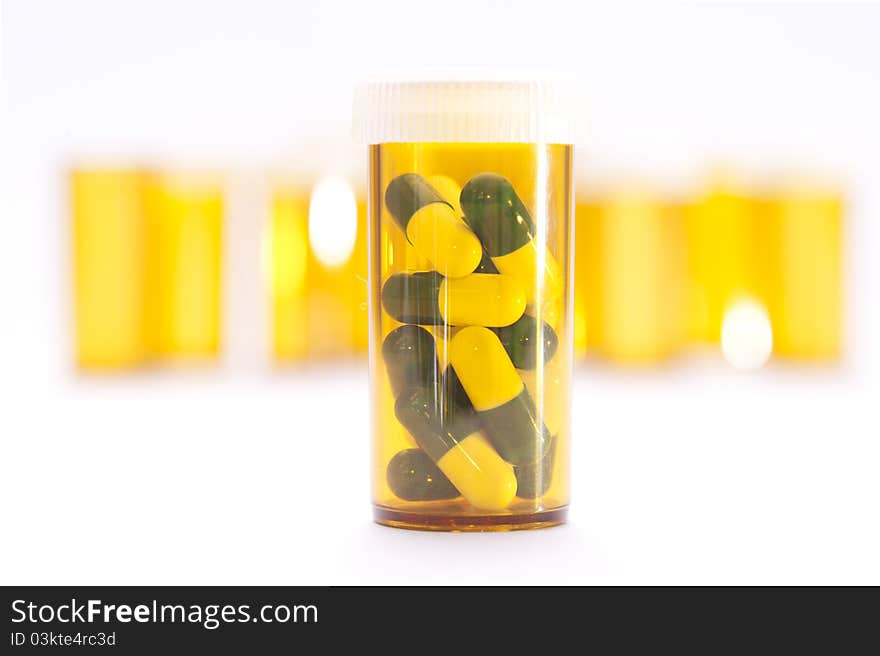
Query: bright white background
x=692, y=474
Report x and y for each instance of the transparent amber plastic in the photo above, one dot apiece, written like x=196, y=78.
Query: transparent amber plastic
x=319, y=309
x=724, y=261
x=630, y=277
x=185, y=236
x=802, y=227
x=470, y=371
x=109, y=234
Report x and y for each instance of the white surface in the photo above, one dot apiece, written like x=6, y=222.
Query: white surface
x=686, y=476
x=690, y=475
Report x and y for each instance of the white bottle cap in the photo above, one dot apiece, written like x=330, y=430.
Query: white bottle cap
x=479, y=110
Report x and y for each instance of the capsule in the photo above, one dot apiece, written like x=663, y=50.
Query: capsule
x=432, y=225
x=522, y=342
x=429, y=299
x=410, y=355
x=533, y=481
x=413, y=476
x=453, y=441
x=505, y=227
x=504, y=407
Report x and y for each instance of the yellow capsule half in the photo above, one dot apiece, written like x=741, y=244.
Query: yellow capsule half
x=543, y=296
x=484, y=368
x=479, y=473
x=481, y=299
x=449, y=190
x=442, y=237
x=433, y=225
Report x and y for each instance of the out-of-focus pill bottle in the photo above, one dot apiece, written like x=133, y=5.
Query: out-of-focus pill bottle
x=802, y=221
x=470, y=204
x=631, y=273
x=724, y=264
x=185, y=232
x=318, y=268
x=109, y=238
x=585, y=249
x=286, y=264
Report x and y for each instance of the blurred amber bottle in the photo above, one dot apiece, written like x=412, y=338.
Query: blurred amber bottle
x=803, y=225
x=585, y=250
x=725, y=256
x=629, y=276
x=318, y=302
x=109, y=254
x=185, y=217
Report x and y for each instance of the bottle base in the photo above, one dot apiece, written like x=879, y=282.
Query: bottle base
x=469, y=523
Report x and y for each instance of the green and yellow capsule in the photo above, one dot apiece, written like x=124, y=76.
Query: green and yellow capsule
x=429, y=299
x=525, y=340
x=453, y=441
x=410, y=355
x=506, y=229
x=432, y=225
x=413, y=476
x=533, y=481
x=504, y=407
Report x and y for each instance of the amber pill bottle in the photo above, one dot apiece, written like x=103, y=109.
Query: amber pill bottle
x=469, y=212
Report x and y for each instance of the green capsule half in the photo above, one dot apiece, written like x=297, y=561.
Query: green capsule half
x=410, y=355
x=452, y=439
x=435, y=424
x=496, y=214
x=523, y=342
x=533, y=481
x=413, y=476
x=516, y=431
x=507, y=231
x=412, y=297
x=407, y=194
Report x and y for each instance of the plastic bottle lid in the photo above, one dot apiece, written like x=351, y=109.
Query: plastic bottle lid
x=478, y=110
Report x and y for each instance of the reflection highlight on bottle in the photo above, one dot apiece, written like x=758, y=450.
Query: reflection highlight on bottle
x=723, y=262
x=746, y=334
x=317, y=271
